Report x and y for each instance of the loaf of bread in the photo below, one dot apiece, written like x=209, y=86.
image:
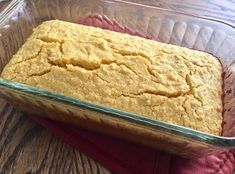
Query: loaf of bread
x=156, y=80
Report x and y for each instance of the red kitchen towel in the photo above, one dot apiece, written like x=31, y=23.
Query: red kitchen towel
x=129, y=158
x=125, y=157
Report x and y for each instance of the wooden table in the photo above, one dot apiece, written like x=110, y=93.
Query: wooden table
x=26, y=147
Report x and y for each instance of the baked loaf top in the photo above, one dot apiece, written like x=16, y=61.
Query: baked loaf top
x=157, y=80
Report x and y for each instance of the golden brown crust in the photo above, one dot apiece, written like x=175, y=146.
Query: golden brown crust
x=161, y=81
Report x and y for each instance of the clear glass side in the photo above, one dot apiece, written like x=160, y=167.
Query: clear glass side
x=128, y=126
x=217, y=38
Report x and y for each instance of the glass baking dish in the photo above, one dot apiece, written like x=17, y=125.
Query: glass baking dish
x=209, y=35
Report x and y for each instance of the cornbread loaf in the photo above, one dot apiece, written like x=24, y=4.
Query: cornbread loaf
x=160, y=81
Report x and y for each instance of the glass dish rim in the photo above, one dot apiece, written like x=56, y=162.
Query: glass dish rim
x=219, y=141
x=10, y=8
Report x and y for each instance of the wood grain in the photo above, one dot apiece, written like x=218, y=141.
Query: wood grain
x=3, y=4
x=26, y=147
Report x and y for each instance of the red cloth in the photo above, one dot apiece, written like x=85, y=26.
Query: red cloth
x=128, y=158
x=125, y=157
